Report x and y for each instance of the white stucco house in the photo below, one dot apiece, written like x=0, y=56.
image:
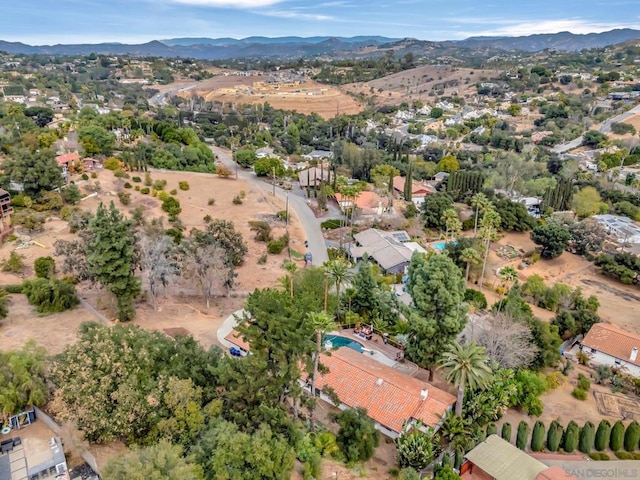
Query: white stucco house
x=608, y=345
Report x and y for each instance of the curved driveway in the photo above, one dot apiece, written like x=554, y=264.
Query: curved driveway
x=310, y=223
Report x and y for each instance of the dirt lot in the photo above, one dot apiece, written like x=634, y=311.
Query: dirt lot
x=618, y=302
x=418, y=83
x=309, y=97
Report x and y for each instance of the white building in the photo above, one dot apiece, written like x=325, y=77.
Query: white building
x=622, y=228
x=608, y=345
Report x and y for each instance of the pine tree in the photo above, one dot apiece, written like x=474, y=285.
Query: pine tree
x=111, y=258
x=554, y=436
x=587, y=437
x=523, y=435
x=617, y=436
x=506, y=431
x=571, y=437
x=632, y=437
x=602, y=435
x=538, y=437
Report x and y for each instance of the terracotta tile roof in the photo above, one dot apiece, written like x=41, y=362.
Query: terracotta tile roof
x=613, y=341
x=236, y=338
x=417, y=189
x=390, y=396
x=555, y=473
x=364, y=200
x=66, y=158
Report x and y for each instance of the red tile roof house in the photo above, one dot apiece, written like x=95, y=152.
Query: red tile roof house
x=393, y=399
x=63, y=162
x=608, y=345
x=418, y=190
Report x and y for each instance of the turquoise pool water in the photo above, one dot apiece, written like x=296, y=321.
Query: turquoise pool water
x=338, y=341
x=441, y=245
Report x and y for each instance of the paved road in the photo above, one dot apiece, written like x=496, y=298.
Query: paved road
x=310, y=223
x=604, y=128
x=159, y=99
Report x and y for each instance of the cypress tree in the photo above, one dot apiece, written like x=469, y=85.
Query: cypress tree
x=632, y=437
x=492, y=429
x=408, y=183
x=459, y=458
x=482, y=435
x=617, y=436
x=587, y=437
x=554, y=436
x=506, y=431
x=446, y=459
x=538, y=437
x=523, y=435
x=602, y=435
x=571, y=437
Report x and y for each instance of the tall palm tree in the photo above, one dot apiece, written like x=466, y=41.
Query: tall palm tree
x=489, y=233
x=451, y=222
x=338, y=272
x=508, y=275
x=480, y=202
x=469, y=256
x=320, y=322
x=466, y=367
x=291, y=267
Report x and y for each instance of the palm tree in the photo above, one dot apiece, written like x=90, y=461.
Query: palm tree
x=508, y=275
x=291, y=267
x=469, y=256
x=452, y=223
x=489, y=233
x=480, y=202
x=320, y=322
x=338, y=272
x=466, y=367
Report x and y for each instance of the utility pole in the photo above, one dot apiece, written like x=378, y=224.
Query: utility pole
x=274, y=181
x=286, y=223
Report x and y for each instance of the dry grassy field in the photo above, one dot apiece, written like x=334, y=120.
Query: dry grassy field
x=418, y=83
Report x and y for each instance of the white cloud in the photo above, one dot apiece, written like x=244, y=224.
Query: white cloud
x=230, y=3
x=550, y=26
x=295, y=15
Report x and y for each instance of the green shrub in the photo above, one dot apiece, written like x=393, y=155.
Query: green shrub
x=628, y=455
x=262, y=230
x=111, y=163
x=136, y=179
x=237, y=200
x=587, y=437
x=571, y=437
x=45, y=267
x=171, y=206
x=159, y=184
x=94, y=175
x=162, y=196
x=275, y=247
x=125, y=198
x=211, y=202
x=144, y=191
x=13, y=288
x=554, y=436
x=263, y=259
x=85, y=176
x=492, y=429
x=50, y=296
x=148, y=181
x=506, y=431
x=21, y=201
x=616, y=438
x=538, y=437
x=183, y=185
x=119, y=173
x=523, y=435
x=579, y=393
x=13, y=264
x=599, y=456
x=632, y=437
x=127, y=185
x=583, y=382
x=331, y=224
x=137, y=188
x=476, y=298
x=602, y=435
x=174, y=192
x=459, y=458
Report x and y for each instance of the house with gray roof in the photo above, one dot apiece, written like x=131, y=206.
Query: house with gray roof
x=391, y=250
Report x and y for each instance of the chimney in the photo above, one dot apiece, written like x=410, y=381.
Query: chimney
x=424, y=393
x=634, y=354
x=379, y=382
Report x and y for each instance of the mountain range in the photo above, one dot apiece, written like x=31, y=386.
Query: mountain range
x=295, y=47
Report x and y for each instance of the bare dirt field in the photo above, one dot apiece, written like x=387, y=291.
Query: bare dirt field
x=618, y=302
x=309, y=97
x=418, y=83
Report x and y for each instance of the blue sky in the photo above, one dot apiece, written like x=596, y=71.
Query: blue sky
x=133, y=21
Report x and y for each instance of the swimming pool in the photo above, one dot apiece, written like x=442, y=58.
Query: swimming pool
x=441, y=245
x=338, y=341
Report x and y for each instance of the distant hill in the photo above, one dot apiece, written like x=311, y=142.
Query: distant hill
x=186, y=42
x=336, y=47
x=566, y=41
